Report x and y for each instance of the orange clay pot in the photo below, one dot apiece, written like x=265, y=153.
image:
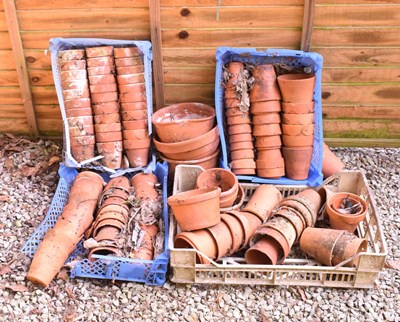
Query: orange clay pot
x=347, y=246
x=264, y=231
x=105, y=128
x=136, y=134
x=268, y=141
x=257, y=108
x=82, y=152
x=71, y=94
x=250, y=223
x=81, y=130
x=234, y=138
x=241, y=146
x=134, y=115
x=244, y=171
x=144, y=186
x=108, y=137
x=243, y=164
x=298, y=141
x=82, y=140
x=103, y=88
x=267, y=118
x=79, y=84
x=108, y=233
x=284, y=226
x=79, y=112
x=72, y=75
x=128, y=61
x=242, y=154
x=239, y=129
x=99, y=51
x=241, y=119
x=196, y=209
x=137, y=144
x=270, y=164
x=130, y=70
x=132, y=88
x=135, y=106
x=223, y=238
x=232, y=103
x=267, y=130
x=77, y=103
x=298, y=108
x=202, y=240
x=99, y=98
x=100, y=61
x=73, y=65
x=297, y=162
x=137, y=157
x=195, y=154
x=271, y=173
x=102, y=79
x=103, y=250
x=183, y=121
x=146, y=249
x=297, y=88
x=112, y=152
x=107, y=118
x=135, y=125
x=331, y=164
x=71, y=54
x=265, y=252
x=127, y=52
x=236, y=230
x=295, y=130
x=294, y=218
x=298, y=119
x=101, y=70
x=265, y=86
x=235, y=112
x=106, y=108
x=264, y=199
x=269, y=155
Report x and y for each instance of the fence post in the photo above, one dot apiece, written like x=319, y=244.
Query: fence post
x=308, y=23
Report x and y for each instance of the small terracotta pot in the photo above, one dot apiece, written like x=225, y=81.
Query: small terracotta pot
x=107, y=118
x=311, y=199
x=265, y=86
x=106, y=108
x=102, y=79
x=223, y=238
x=298, y=141
x=231, y=94
x=297, y=88
x=244, y=171
x=297, y=162
x=339, y=220
x=257, y=108
x=132, y=88
x=103, y=88
x=108, y=137
x=232, y=102
x=269, y=155
x=104, y=250
x=71, y=94
x=242, y=154
x=234, y=138
x=118, y=182
x=264, y=231
x=263, y=201
x=249, y=222
x=77, y=103
x=237, y=204
x=265, y=252
x=234, y=68
x=78, y=112
x=107, y=233
x=284, y=226
x=236, y=230
x=137, y=144
x=196, y=209
x=331, y=164
x=99, y=51
x=112, y=152
x=267, y=118
x=135, y=125
x=71, y=54
x=298, y=119
x=75, y=84
x=243, y=164
x=105, y=128
x=295, y=130
x=127, y=52
x=130, y=79
x=241, y=146
x=72, y=75
x=183, y=121
x=326, y=240
x=100, y=61
x=73, y=65
x=136, y=106
x=268, y=141
x=241, y=119
x=303, y=210
x=80, y=121
x=101, y=70
x=128, y=61
x=81, y=130
x=107, y=222
x=195, y=154
x=267, y=130
x=239, y=129
x=134, y=115
x=82, y=140
x=295, y=218
x=298, y=108
x=271, y=173
x=270, y=164
x=99, y=98
x=130, y=70
x=235, y=112
x=223, y=179
x=136, y=134
x=202, y=240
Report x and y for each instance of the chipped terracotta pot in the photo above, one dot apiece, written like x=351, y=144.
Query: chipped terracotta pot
x=133, y=97
x=102, y=79
x=271, y=173
x=135, y=125
x=239, y=129
x=267, y=118
x=264, y=231
x=298, y=119
x=267, y=130
x=79, y=84
x=130, y=70
x=241, y=119
x=298, y=141
x=99, y=98
x=183, y=121
x=270, y=164
x=128, y=61
x=250, y=223
x=240, y=146
x=223, y=238
x=73, y=65
x=136, y=134
x=134, y=115
x=202, y=240
x=265, y=252
x=77, y=103
x=297, y=88
x=297, y=162
x=242, y=154
x=106, y=108
x=263, y=201
x=135, y=106
x=100, y=61
x=298, y=108
x=223, y=179
x=105, y=128
x=347, y=246
x=71, y=54
x=257, y=108
x=236, y=230
x=246, y=137
x=130, y=79
x=71, y=75
x=107, y=118
x=196, y=209
x=126, y=52
x=265, y=87
x=78, y=112
x=101, y=70
x=71, y=94
x=298, y=130
x=108, y=137
x=99, y=51
x=331, y=164
x=345, y=221
x=112, y=152
x=273, y=141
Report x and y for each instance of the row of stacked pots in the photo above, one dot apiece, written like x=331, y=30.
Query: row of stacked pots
x=105, y=100
x=295, y=127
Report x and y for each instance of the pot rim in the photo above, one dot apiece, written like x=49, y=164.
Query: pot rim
x=194, y=196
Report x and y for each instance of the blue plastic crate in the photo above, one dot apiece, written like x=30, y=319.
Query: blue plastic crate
x=59, y=44
x=151, y=272
x=293, y=58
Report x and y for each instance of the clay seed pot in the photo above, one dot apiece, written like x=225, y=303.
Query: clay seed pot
x=73, y=65
x=100, y=61
x=202, y=240
x=271, y=173
x=77, y=103
x=135, y=125
x=130, y=79
x=236, y=230
x=284, y=226
x=265, y=252
x=134, y=115
x=264, y=231
x=268, y=142
x=246, y=145
x=75, y=84
x=102, y=79
x=98, y=98
x=105, y=128
x=107, y=118
x=136, y=134
x=234, y=138
x=267, y=118
x=264, y=199
x=269, y=155
x=108, y=137
x=135, y=106
x=297, y=162
x=243, y=164
x=242, y=154
x=130, y=70
x=79, y=112
x=223, y=238
x=72, y=54
x=297, y=88
x=240, y=119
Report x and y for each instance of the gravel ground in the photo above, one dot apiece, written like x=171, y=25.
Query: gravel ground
x=28, y=177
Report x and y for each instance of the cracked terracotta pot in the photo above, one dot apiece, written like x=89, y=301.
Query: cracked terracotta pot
x=267, y=118
x=298, y=141
x=346, y=210
x=100, y=61
x=202, y=240
x=298, y=130
x=298, y=108
x=77, y=103
x=112, y=152
x=257, y=108
x=347, y=246
x=239, y=129
x=298, y=119
x=265, y=87
x=264, y=199
x=331, y=164
x=183, y=121
x=101, y=70
x=242, y=154
x=73, y=65
x=105, y=128
x=223, y=238
x=126, y=52
x=273, y=141
x=134, y=115
x=297, y=88
x=196, y=209
x=265, y=252
x=99, y=98
x=236, y=230
x=100, y=51
x=107, y=118
x=297, y=162
x=267, y=130
x=130, y=70
x=106, y=108
x=134, y=106
x=108, y=79
x=135, y=125
x=223, y=179
x=71, y=54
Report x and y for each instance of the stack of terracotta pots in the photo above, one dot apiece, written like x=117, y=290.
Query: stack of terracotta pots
x=215, y=235
x=298, y=123
x=103, y=89
x=239, y=124
x=272, y=242
x=265, y=107
x=187, y=135
x=77, y=103
x=76, y=218
x=132, y=90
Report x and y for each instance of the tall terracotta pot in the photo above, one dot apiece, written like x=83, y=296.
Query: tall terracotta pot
x=297, y=162
x=297, y=88
x=331, y=164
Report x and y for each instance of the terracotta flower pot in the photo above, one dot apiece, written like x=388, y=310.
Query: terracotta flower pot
x=298, y=141
x=132, y=88
x=105, y=128
x=243, y=164
x=79, y=84
x=103, y=88
x=137, y=144
x=241, y=119
x=146, y=187
x=264, y=199
x=77, y=103
x=298, y=108
x=107, y=118
x=339, y=218
x=295, y=218
x=347, y=246
x=241, y=146
x=78, y=112
x=101, y=70
x=137, y=157
x=104, y=250
x=100, y=61
x=82, y=152
x=284, y=226
x=271, y=173
x=134, y=115
x=223, y=238
x=80, y=121
x=239, y=129
x=265, y=252
x=72, y=75
x=234, y=138
x=196, y=209
x=231, y=93
x=71, y=54
x=270, y=164
x=99, y=98
x=195, y=154
x=234, y=68
x=311, y=199
x=232, y=102
x=242, y=154
x=108, y=137
x=127, y=52
x=112, y=152
x=267, y=130
x=135, y=106
x=108, y=233
x=128, y=61
x=118, y=182
x=331, y=164
x=297, y=162
x=257, y=108
x=130, y=70
x=82, y=140
x=135, y=134
x=99, y=51
x=106, y=108
x=265, y=86
x=223, y=179
x=237, y=204
x=297, y=88
x=268, y=141
x=298, y=119
x=71, y=94
x=302, y=130
x=202, y=240
x=326, y=240
x=269, y=155
x=304, y=210
x=73, y=65
x=264, y=231
x=130, y=79
x=244, y=171
x=249, y=222
x=129, y=97
x=135, y=125
x=102, y=79
x=235, y=112
x=81, y=130
x=267, y=118
x=236, y=230
x=143, y=178
x=146, y=249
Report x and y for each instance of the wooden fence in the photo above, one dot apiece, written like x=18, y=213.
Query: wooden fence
x=359, y=39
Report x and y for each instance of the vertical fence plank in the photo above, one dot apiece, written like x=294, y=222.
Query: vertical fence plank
x=308, y=22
